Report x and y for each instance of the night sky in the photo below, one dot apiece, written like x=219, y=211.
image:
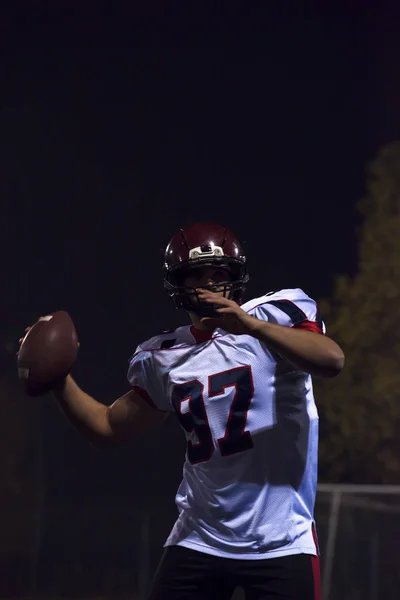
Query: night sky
x=119, y=126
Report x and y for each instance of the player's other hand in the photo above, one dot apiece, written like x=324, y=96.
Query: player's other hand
x=27, y=329
x=230, y=317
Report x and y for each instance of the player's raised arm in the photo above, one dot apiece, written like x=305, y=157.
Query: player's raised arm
x=47, y=354
x=127, y=418
x=302, y=347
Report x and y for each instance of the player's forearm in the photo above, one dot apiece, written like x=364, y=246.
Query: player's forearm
x=87, y=416
x=310, y=352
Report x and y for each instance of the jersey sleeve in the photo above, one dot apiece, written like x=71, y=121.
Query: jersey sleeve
x=292, y=308
x=145, y=381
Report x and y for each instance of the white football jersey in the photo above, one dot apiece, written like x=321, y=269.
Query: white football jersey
x=251, y=424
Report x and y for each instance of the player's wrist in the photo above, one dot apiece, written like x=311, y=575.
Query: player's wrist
x=254, y=326
x=61, y=386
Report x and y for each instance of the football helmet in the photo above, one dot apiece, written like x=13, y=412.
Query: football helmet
x=200, y=245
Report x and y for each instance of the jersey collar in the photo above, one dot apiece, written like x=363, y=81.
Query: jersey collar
x=201, y=335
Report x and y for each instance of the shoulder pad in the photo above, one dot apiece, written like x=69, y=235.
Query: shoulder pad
x=291, y=294
x=165, y=340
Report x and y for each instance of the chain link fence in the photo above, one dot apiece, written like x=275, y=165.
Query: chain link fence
x=107, y=550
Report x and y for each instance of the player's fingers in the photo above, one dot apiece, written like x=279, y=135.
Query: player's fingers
x=205, y=291
x=214, y=299
x=205, y=294
x=205, y=298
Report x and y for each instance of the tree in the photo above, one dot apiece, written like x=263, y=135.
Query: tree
x=360, y=411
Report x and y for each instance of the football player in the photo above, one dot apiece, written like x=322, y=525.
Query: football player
x=238, y=379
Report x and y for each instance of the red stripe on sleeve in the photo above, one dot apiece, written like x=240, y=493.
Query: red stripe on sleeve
x=145, y=396
x=315, y=564
x=309, y=326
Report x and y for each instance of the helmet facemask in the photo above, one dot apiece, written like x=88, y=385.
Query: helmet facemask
x=188, y=297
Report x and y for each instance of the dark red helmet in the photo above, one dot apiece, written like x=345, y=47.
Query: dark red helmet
x=203, y=244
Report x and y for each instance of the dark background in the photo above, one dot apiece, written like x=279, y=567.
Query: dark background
x=120, y=124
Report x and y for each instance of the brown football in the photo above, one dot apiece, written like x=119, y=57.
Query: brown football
x=47, y=353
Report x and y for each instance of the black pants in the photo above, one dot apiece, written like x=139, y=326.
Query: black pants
x=185, y=574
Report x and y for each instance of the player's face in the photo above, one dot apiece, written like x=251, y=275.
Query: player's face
x=205, y=276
